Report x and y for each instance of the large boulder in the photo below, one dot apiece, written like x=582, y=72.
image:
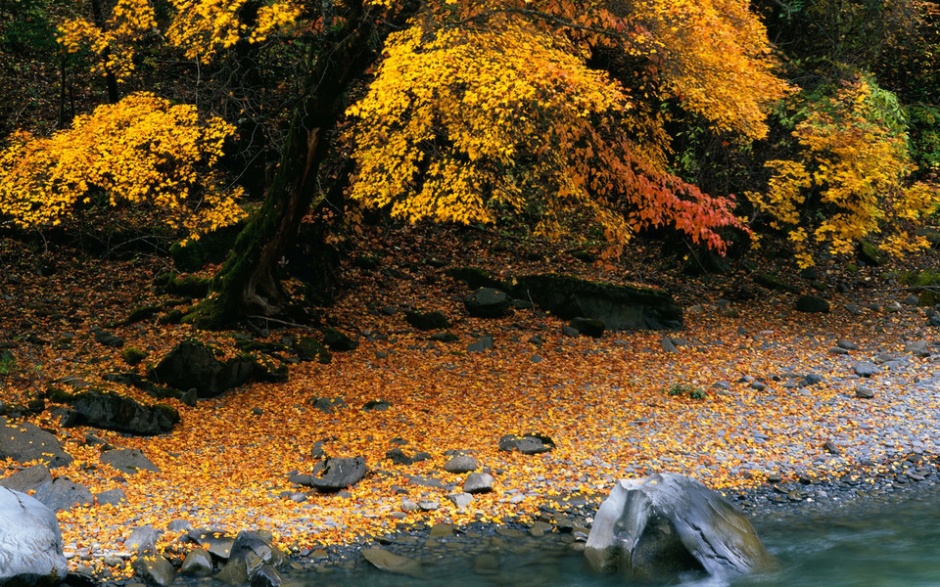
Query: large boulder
x=667, y=524
x=26, y=442
x=30, y=542
x=193, y=365
x=111, y=411
x=619, y=307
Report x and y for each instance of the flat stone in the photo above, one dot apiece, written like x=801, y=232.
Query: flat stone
x=461, y=500
x=866, y=369
x=478, y=483
x=864, y=392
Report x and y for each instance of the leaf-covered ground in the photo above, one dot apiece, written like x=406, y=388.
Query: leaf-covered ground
x=604, y=402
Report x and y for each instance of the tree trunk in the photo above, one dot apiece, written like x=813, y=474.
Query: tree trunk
x=249, y=282
x=109, y=78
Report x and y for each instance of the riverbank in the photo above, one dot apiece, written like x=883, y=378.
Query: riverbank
x=752, y=397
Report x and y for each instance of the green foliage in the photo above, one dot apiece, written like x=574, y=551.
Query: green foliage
x=682, y=389
x=133, y=356
x=26, y=26
x=7, y=362
x=924, y=121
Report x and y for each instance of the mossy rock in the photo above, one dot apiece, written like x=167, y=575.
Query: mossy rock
x=187, y=285
x=133, y=356
x=870, y=254
x=475, y=277
x=775, y=283
x=926, y=284
x=210, y=248
x=309, y=348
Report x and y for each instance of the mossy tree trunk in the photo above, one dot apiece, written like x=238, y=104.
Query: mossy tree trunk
x=248, y=282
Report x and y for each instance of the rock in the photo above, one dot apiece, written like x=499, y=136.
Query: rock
x=328, y=404
x=441, y=530
x=63, y=494
x=249, y=554
x=461, y=500
x=811, y=379
x=618, y=307
x=128, y=461
x=773, y=282
x=487, y=302
x=813, y=304
x=484, y=343
x=461, y=464
x=588, y=327
x=154, y=570
x=338, y=342
x=866, y=369
x=111, y=497
x=218, y=544
x=668, y=345
x=427, y=321
x=529, y=444
x=309, y=348
x=108, y=410
x=266, y=576
x=667, y=524
x=864, y=392
x=918, y=348
x=192, y=365
x=847, y=345
x=30, y=542
x=393, y=563
x=478, y=483
x=445, y=337
x=475, y=277
x=27, y=479
x=107, y=338
x=570, y=332
x=870, y=254
x=143, y=539
x=26, y=442
x=335, y=474
x=198, y=563
x=376, y=405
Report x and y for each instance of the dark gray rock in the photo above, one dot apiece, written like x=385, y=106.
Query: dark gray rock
x=376, y=405
x=143, y=539
x=666, y=525
x=847, y=345
x=484, y=343
x=427, y=321
x=918, y=348
x=478, y=483
x=588, y=326
x=249, y=554
x=198, y=563
x=128, y=461
x=105, y=409
x=154, y=570
x=30, y=542
x=866, y=369
x=217, y=543
x=487, y=302
x=111, y=497
x=618, y=307
x=27, y=479
x=338, y=342
x=461, y=464
x=528, y=445
x=812, y=304
x=811, y=379
x=266, y=576
x=863, y=392
x=107, y=338
x=336, y=474
x=328, y=404
x=192, y=365
x=26, y=442
x=668, y=345
x=775, y=283
x=461, y=500
x=63, y=494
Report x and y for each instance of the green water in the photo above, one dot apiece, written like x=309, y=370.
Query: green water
x=867, y=545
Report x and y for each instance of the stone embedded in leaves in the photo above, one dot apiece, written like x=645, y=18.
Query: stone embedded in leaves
x=427, y=321
x=487, y=302
x=812, y=304
x=193, y=365
x=336, y=474
x=588, y=326
x=529, y=444
x=26, y=442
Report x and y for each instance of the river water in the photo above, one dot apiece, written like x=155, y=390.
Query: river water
x=862, y=545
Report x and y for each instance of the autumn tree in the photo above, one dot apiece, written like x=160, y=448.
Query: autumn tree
x=471, y=110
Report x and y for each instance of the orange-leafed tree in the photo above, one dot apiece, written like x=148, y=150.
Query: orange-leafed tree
x=477, y=109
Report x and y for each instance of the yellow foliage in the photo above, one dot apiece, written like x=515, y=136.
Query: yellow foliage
x=204, y=27
x=141, y=150
x=466, y=123
x=130, y=21
x=856, y=163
